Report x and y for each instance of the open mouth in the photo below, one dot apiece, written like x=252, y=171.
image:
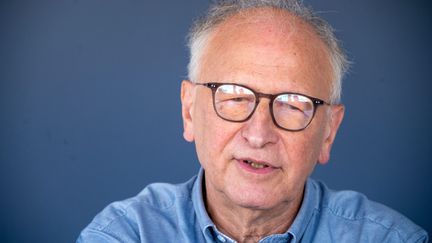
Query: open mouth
x=254, y=164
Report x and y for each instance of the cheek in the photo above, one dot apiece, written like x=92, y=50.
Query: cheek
x=212, y=134
x=303, y=149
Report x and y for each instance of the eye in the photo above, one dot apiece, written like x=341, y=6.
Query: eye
x=288, y=106
x=239, y=99
x=234, y=98
x=293, y=107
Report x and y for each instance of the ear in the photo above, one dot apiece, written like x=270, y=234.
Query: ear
x=337, y=114
x=187, y=100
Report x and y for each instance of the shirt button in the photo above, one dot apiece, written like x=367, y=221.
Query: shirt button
x=221, y=238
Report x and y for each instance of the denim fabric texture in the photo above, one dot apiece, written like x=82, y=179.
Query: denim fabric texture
x=176, y=213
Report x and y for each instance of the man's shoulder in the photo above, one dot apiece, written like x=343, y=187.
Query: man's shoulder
x=355, y=210
x=156, y=196
x=127, y=219
x=164, y=195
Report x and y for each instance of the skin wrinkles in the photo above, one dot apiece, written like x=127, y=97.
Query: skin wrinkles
x=270, y=57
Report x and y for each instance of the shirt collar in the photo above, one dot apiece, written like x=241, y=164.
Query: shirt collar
x=297, y=229
x=203, y=218
x=307, y=209
x=208, y=228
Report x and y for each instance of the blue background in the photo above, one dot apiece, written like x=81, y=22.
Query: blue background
x=90, y=107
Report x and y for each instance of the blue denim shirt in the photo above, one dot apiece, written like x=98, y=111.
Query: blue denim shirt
x=176, y=213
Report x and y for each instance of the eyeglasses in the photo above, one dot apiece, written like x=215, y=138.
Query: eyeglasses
x=237, y=103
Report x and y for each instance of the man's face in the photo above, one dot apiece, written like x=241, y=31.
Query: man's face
x=272, y=53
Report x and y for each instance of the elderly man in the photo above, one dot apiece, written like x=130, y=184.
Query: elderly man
x=262, y=106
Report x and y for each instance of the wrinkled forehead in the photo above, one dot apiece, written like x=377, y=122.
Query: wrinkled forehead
x=271, y=40
x=272, y=23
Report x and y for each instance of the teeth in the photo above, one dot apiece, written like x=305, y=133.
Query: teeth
x=257, y=166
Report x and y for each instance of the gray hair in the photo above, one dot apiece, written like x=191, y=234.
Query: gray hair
x=223, y=9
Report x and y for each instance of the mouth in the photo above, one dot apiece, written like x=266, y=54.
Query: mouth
x=255, y=166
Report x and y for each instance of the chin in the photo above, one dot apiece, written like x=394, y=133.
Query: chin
x=256, y=201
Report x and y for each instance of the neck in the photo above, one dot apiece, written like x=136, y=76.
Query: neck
x=250, y=224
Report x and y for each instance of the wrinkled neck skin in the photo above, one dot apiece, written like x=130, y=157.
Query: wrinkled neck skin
x=250, y=224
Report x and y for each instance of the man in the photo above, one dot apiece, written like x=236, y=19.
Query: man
x=262, y=106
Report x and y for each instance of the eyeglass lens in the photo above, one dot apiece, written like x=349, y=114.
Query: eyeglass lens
x=237, y=103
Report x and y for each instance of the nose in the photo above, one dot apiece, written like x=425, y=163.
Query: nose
x=260, y=131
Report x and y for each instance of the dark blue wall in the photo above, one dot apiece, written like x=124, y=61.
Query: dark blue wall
x=90, y=111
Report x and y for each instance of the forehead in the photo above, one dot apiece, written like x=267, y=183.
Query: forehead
x=268, y=45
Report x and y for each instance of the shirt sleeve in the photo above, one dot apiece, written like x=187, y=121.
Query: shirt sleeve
x=102, y=236
x=96, y=236
x=419, y=237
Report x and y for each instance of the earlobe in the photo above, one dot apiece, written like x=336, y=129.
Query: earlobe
x=187, y=99
x=337, y=114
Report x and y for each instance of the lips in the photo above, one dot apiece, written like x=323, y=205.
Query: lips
x=256, y=167
x=256, y=164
